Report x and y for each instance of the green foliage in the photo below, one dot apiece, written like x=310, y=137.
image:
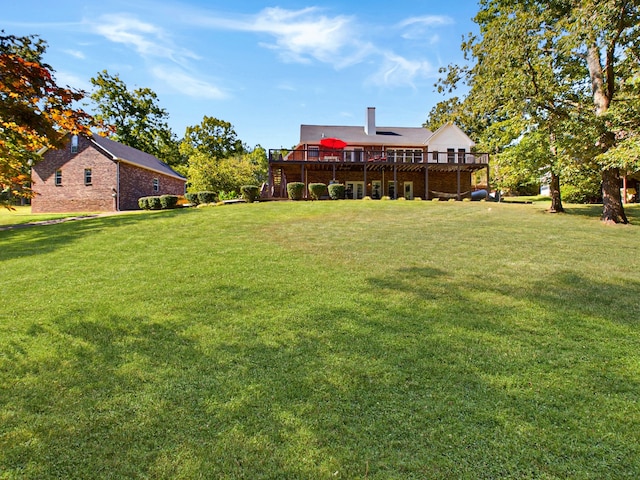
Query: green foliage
x=154, y=203
x=206, y=197
x=223, y=174
x=138, y=120
x=230, y=195
x=336, y=191
x=295, y=190
x=192, y=197
x=317, y=190
x=250, y=193
x=168, y=201
x=213, y=137
x=143, y=203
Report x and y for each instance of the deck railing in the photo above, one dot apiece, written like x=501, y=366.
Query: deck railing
x=377, y=156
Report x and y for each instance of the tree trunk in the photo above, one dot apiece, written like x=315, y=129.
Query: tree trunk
x=556, y=200
x=554, y=187
x=612, y=209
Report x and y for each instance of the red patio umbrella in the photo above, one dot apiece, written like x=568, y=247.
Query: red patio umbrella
x=333, y=143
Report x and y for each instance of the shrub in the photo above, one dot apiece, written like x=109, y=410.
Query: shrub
x=154, y=203
x=230, y=195
x=385, y=197
x=143, y=203
x=192, y=198
x=168, y=201
x=317, y=190
x=295, y=190
x=206, y=197
x=336, y=191
x=250, y=193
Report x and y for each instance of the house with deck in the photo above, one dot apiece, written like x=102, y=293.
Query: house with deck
x=377, y=161
x=96, y=174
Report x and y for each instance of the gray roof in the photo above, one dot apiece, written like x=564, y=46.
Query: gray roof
x=400, y=136
x=131, y=155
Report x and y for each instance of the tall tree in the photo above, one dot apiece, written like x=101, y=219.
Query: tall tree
x=607, y=36
x=213, y=137
x=137, y=118
x=541, y=61
x=35, y=112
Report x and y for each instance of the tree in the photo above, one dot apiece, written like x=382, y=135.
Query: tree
x=227, y=174
x=212, y=137
x=541, y=62
x=138, y=119
x=609, y=29
x=35, y=112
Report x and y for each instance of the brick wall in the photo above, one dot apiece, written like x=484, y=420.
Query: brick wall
x=73, y=195
x=438, y=181
x=137, y=182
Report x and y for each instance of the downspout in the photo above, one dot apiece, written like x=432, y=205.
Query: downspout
x=117, y=186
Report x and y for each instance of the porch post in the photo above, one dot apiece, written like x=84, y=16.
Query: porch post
x=488, y=185
x=458, y=174
x=364, y=168
x=426, y=182
x=271, y=186
x=303, y=179
x=334, y=172
x=395, y=181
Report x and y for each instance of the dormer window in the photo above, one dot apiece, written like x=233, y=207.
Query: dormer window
x=74, y=144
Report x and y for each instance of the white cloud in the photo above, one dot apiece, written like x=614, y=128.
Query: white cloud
x=72, y=80
x=417, y=28
x=188, y=84
x=298, y=35
x=399, y=71
x=148, y=40
x=427, y=21
x=75, y=53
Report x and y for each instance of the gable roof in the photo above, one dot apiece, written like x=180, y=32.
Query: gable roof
x=124, y=153
x=400, y=136
x=451, y=126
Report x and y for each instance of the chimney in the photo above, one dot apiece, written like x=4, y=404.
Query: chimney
x=370, y=124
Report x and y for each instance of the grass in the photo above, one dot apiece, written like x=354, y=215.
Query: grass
x=322, y=340
x=22, y=214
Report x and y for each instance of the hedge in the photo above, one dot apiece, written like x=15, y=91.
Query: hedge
x=168, y=201
x=154, y=203
x=143, y=203
x=206, y=197
x=192, y=198
x=250, y=193
x=336, y=191
x=317, y=190
x=295, y=190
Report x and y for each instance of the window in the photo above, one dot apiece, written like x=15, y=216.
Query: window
x=156, y=185
x=314, y=152
x=461, y=155
x=417, y=156
x=435, y=156
x=58, y=177
x=87, y=176
x=451, y=155
x=74, y=144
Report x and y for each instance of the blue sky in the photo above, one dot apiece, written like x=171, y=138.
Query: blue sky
x=265, y=67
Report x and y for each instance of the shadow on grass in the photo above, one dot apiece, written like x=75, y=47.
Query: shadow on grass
x=39, y=239
x=424, y=384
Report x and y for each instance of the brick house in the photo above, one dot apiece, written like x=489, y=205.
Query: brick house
x=381, y=161
x=95, y=174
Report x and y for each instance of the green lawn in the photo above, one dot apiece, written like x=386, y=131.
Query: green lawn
x=22, y=214
x=309, y=340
